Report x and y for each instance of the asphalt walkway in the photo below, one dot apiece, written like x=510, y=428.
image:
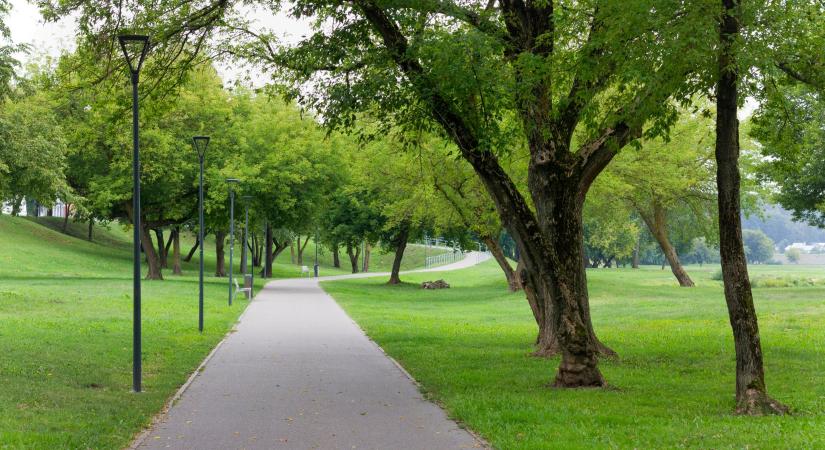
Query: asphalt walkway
x=298, y=373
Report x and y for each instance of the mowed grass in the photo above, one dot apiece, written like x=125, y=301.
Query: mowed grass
x=672, y=387
x=66, y=338
x=381, y=259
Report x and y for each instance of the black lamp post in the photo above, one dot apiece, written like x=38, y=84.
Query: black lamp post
x=231, y=182
x=200, y=143
x=134, y=49
x=316, y=253
x=244, y=251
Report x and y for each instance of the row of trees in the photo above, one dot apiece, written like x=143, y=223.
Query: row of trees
x=512, y=112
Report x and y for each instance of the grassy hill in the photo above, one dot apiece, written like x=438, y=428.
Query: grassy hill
x=66, y=336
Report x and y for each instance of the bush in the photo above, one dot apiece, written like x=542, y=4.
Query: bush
x=793, y=255
x=717, y=276
x=787, y=281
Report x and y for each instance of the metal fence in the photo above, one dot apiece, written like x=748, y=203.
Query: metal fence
x=444, y=258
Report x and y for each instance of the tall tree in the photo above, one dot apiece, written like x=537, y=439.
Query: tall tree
x=751, y=393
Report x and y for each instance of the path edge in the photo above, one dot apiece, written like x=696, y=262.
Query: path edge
x=142, y=435
x=483, y=442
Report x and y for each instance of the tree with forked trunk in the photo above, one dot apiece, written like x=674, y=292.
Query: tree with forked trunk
x=600, y=100
x=574, y=85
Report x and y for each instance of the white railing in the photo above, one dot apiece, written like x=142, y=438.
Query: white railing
x=444, y=258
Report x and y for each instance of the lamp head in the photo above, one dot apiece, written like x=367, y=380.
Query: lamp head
x=134, y=48
x=200, y=143
x=231, y=182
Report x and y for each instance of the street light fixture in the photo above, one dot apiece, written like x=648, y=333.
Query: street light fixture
x=231, y=182
x=134, y=50
x=200, y=143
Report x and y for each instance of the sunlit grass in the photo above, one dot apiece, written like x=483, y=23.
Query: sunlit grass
x=672, y=386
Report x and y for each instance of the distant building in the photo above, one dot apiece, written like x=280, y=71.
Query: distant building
x=805, y=247
x=32, y=208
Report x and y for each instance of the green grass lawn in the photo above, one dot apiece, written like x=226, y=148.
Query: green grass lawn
x=66, y=338
x=671, y=388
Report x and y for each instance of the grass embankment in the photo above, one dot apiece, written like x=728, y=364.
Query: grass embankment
x=380, y=258
x=66, y=337
x=672, y=387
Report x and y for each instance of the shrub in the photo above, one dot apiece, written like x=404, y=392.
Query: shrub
x=717, y=276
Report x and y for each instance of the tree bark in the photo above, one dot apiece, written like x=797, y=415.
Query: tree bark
x=66, y=218
x=161, y=248
x=220, y=265
x=336, y=258
x=367, y=253
x=301, y=248
x=636, y=249
x=400, y=246
x=192, y=251
x=751, y=393
x=91, y=228
x=292, y=251
x=353, y=256
x=656, y=221
x=513, y=283
x=152, y=257
x=176, y=268
x=267, y=271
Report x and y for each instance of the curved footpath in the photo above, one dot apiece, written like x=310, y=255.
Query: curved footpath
x=298, y=373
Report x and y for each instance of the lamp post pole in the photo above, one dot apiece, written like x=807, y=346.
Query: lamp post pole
x=200, y=143
x=316, y=253
x=231, y=181
x=128, y=43
x=244, y=251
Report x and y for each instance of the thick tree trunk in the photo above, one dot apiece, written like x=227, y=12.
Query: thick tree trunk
x=636, y=249
x=292, y=251
x=161, y=248
x=400, y=246
x=91, y=228
x=220, y=264
x=656, y=221
x=336, y=258
x=353, y=256
x=152, y=257
x=192, y=251
x=513, y=283
x=15, y=207
x=176, y=269
x=751, y=393
x=267, y=271
x=555, y=273
x=367, y=253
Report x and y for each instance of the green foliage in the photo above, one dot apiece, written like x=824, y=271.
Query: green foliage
x=793, y=255
x=759, y=247
x=789, y=127
x=32, y=151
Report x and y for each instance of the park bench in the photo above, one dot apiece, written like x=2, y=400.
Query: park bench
x=247, y=290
